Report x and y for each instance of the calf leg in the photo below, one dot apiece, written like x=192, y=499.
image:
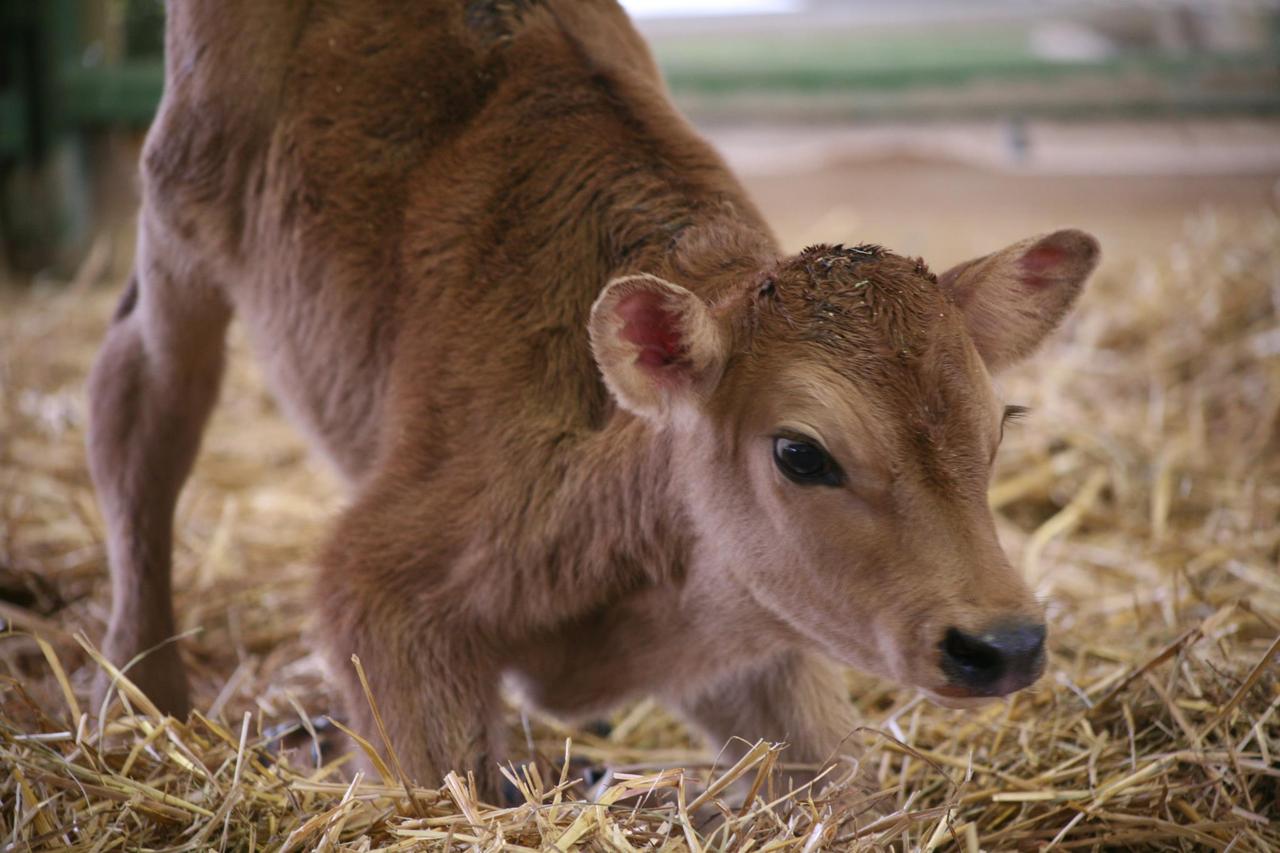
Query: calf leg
x=432, y=672
x=796, y=698
x=150, y=392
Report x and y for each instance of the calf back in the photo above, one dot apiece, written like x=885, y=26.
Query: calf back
x=413, y=206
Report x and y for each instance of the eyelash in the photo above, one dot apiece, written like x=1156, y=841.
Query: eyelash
x=1015, y=413
x=1012, y=414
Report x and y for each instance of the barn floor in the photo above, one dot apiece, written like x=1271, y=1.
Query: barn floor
x=1142, y=499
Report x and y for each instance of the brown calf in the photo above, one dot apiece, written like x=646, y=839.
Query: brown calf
x=603, y=439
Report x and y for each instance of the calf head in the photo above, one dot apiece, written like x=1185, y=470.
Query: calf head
x=835, y=425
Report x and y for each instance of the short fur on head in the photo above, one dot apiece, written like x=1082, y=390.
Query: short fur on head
x=887, y=368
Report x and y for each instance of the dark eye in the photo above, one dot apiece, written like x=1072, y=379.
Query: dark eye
x=805, y=462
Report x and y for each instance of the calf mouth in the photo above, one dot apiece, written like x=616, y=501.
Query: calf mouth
x=954, y=695
x=956, y=698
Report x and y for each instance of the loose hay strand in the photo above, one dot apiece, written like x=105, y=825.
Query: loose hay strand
x=382, y=729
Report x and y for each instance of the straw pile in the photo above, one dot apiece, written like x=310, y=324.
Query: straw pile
x=1143, y=498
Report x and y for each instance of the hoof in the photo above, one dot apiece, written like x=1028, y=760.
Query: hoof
x=285, y=740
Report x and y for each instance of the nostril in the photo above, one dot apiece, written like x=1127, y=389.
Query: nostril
x=970, y=659
x=1005, y=657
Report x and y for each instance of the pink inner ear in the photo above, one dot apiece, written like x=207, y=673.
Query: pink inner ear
x=1042, y=265
x=651, y=327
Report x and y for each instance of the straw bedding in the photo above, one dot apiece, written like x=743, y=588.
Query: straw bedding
x=1142, y=497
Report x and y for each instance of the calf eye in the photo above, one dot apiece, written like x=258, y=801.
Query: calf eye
x=805, y=462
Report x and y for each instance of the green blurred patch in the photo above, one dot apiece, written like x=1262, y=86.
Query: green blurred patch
x=804, y=59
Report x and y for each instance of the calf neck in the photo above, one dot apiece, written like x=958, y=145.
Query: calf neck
x=603, y=437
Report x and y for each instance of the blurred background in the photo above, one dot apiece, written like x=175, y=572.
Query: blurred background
x=887, y=120
x=947, y=128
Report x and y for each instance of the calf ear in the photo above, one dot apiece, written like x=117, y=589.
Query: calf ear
x=1013, y=298
x=656, y=343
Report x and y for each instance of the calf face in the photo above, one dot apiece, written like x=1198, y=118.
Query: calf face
x=835, y=426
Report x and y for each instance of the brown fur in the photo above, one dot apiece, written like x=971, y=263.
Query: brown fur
x=413, y=208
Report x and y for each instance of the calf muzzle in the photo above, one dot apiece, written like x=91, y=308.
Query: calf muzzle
x=1006, y=657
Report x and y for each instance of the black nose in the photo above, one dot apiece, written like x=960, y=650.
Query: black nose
x=1000, y=660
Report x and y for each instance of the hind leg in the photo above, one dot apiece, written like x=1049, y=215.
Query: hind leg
x=151, y=390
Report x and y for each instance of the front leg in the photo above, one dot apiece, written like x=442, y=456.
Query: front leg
x=431, y=670
x=435, y=690
x=796, y=698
